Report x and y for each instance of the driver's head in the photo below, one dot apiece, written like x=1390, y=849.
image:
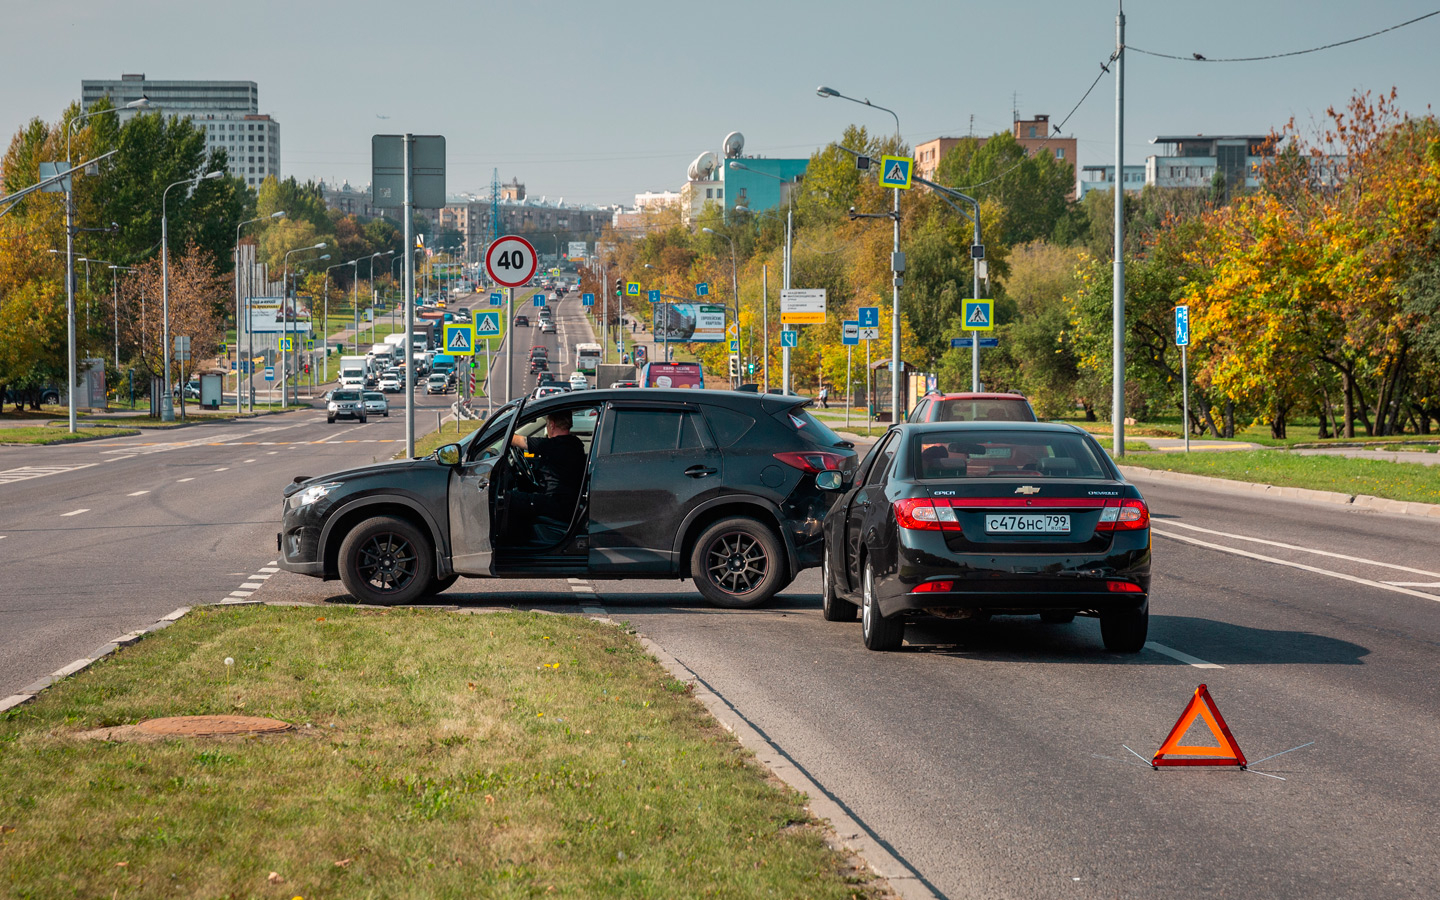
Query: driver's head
x=558, y=423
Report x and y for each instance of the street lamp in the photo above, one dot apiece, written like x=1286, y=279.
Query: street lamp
x=142, y=104
x=167, y=406
x=897, y=266
x=87, y=261
x=285, y=289
x=735, y=290
x=115, y=301
x=238, y=366
x=373, y=295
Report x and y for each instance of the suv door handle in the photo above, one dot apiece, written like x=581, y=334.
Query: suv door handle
x=700, y=471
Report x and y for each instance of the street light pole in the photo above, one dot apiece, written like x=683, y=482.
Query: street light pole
x=167, y=405
x=735, y=290
x=142, y=104
x=897, y=265
x=373, y=257
x=239, y=369
x=285, y=292
x=115, y=300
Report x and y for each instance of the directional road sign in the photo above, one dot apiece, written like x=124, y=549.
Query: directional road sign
x=869, y=317
x=850, y=332
x=539, y=298
x=789, y=338
x=895, y=172
x=1182, y=326
x=802, y=306
x=460, y=339
x=979, y=315
x=497, y=298
x=587, y=299
x=654, y=296
x=702, y=289
x=963, y=342
x=632, y=288
x=510, y=261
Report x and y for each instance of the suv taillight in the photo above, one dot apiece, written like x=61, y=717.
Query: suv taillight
x=1130, y=515
x=812, y=462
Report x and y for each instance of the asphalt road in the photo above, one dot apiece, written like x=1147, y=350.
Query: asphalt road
x=990, y=759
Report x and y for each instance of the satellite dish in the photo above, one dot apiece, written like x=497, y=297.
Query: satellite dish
x=703, y=166
x=734, y=143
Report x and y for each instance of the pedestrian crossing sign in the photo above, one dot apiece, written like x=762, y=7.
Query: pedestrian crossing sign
x=309, y=344
x=895, y=172
x=487, y=325
x=459, y=339
x=632, y=288
x=285, y=345
x=979, y=315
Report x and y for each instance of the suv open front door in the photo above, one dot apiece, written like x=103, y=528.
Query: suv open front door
x=471, y=502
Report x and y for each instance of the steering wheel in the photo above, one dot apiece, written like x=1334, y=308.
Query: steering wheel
x=522, y=469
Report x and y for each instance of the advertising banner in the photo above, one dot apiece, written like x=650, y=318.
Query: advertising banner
x=682, y=322
x=264, y=314
x=577, y=250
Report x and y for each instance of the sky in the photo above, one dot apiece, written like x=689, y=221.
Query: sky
x=594, y=102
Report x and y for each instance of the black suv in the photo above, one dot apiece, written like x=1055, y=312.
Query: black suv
x=727, y=488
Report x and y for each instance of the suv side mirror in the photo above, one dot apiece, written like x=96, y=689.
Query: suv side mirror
x=830, y=480
x=448, y=455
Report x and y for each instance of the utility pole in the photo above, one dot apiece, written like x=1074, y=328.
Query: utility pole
x=1117, y=399
x=408, y=142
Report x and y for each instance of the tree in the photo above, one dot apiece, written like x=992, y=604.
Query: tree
x=1031, y=189
x=197, y=292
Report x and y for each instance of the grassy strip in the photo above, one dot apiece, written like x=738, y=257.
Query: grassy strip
x=435, y=755
x=1376, y=477
x=41, y=434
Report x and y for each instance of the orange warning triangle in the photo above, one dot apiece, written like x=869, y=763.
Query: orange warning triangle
x=1226, y=754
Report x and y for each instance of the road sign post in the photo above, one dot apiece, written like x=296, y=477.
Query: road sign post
x=1182, y=340
x=849, y=336
x=510, y=262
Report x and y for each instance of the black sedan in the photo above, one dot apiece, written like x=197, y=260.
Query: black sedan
x=973, y=519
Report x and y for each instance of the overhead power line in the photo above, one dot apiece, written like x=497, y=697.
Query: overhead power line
x=1196, y=57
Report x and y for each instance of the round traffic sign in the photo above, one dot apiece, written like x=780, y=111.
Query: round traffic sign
x=510, y=261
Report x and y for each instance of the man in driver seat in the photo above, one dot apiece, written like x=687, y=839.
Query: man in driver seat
x=558, y=469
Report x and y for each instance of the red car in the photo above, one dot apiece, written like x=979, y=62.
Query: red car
x=972, y=407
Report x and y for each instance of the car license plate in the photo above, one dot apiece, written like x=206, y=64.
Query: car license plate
x=1027, y=524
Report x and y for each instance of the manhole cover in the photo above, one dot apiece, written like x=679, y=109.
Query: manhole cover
x=203, y=726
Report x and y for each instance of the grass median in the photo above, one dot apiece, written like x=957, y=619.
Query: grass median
x=434, y=755
x=44, y=434
x=1379, y=478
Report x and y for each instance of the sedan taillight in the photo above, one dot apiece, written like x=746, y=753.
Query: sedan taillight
x=812, y=462
x=926, y=515
x=1130, y=515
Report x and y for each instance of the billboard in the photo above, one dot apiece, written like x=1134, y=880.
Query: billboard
x=683, y=322
x=264, y=314
x=577, y=250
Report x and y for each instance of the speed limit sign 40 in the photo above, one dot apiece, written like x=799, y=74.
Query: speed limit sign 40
x=510, y=261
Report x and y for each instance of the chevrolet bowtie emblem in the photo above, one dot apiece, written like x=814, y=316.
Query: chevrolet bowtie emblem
x=1027, y=489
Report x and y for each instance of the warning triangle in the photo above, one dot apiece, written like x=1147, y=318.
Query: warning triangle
x=459, y=340
x=977, y=315
x=1227, y=753
x=896, y=173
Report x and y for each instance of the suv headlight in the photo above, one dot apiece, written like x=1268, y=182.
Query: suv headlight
x=311, y=494
x=332, y=406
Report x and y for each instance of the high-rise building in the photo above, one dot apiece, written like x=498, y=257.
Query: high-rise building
x=228, y=112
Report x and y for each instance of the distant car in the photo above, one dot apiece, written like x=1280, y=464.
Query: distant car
x=578, y=381
x=522, y=321
x=345, y=404
x=539, y=351
x=438, y=383
x=547, y=328
x=546, y=390
x=624, y=384
x=376, y=404
x=391, y=384
x=539, y=364
x=970, y=519
x=972, y=407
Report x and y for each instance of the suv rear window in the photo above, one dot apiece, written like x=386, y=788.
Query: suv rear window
x=808, y=426
x=981, y=409
x=1005, y=454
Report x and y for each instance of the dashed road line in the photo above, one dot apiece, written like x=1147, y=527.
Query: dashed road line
x=183, y=480
x=75, y=512
x=223, y=469
x=137, y=493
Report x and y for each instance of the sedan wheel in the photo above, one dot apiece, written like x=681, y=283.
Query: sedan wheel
x=878, y=632
x=832, y=607
x=737, y=563
x=386, y=561
x=1124, y=631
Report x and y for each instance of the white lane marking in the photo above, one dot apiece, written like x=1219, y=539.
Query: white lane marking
x=74, y=513
x=1185, y=658
x=259, y=577
x=252, y=585
x=137, y=493
x=1294, y=565
x=27, y=472
x=578, y=580
x=183, y=480
x=2, y=537
x=1414, y=583
x=269, y=569
x=223, y=469
x=1359, y=559
x=241, y=593
x=249, y=460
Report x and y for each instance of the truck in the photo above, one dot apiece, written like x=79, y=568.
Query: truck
x=382, y=357
x=442, y=362
x=607, y=374
x=354, y=370
x=396, y=340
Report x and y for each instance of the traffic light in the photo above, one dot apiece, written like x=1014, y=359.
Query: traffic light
x=734, y=365
x=619, y=286
x=752, y=368
x=307, y=368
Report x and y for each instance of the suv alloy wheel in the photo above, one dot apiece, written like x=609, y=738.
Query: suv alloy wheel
x=386, y=561
x=737, y=563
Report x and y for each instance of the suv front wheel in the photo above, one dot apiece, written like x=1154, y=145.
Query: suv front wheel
x=738, y=563
x=386, y=561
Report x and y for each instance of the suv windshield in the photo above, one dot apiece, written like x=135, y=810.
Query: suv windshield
x=345, y=395
x=1006, y=454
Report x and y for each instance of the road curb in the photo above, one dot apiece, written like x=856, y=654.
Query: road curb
x=1226, y=485
x=849, y=835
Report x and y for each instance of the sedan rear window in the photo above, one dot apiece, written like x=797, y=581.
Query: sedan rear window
x=982, y=409
x=1006, y=454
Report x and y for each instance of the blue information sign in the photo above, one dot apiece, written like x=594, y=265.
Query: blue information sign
x=702, y=289
x=962, y=342
x=789, y=338
x=654, y=296
x=1182, y=326
x=269, y=373
x=497, y=298
x=849, y=332
x=587, y=299
x=869, y=317
x=539, y=298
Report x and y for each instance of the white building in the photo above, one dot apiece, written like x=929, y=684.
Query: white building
x=1103, y=178
x=657, y=199
x=228, y=112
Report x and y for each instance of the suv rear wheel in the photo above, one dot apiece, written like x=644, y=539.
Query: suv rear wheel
x=737, y=563
x=386, y=561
